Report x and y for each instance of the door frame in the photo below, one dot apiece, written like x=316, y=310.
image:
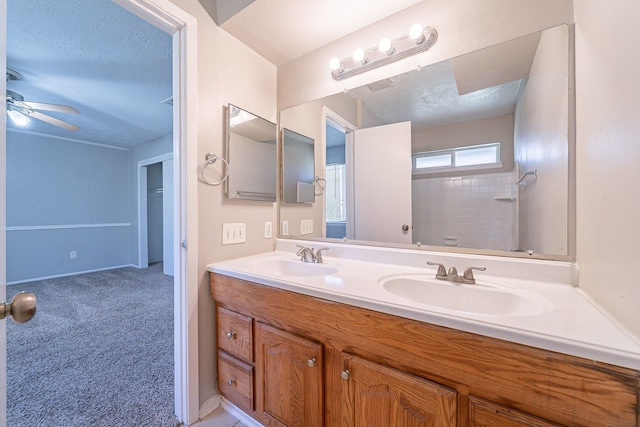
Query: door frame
x=143, y=250
x=349, y=128
x=183, y=28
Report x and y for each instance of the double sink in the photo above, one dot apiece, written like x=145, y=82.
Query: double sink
x=484, y=298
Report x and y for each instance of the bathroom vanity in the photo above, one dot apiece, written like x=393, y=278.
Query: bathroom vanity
x=297, y=347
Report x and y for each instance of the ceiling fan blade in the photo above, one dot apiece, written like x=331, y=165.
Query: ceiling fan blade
x=52, y=120
x=50, y=107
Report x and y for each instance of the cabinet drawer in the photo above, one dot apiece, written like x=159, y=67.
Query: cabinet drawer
x=235, y=381
x=235, y=334
x=485, y=413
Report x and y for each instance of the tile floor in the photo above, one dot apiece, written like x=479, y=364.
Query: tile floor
x=219, y=418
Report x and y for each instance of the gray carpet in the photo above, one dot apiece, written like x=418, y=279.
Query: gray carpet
x=98, y=353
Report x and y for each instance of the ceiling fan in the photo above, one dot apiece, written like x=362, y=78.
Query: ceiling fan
x=21, y=111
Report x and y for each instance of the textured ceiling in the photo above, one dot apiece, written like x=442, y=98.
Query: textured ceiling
x=96, y=57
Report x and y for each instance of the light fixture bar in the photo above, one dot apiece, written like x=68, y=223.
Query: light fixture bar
x=18, y=118
x=401, y=47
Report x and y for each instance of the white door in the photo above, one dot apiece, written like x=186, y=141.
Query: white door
x=382, y=183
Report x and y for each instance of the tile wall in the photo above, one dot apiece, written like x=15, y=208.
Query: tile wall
x=474, y=211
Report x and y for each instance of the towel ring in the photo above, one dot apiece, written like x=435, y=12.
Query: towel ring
x=320, y=183
x=210, y=159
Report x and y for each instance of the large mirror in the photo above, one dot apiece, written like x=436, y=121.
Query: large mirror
x=298, y=168
x=471, y=154
x=252, y=155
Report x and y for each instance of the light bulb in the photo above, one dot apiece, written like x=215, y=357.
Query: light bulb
x=335, y=64
x=416, y=32
x=358, y=56
x=18, y=118
x=385, y=46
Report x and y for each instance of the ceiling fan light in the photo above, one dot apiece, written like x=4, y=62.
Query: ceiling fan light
x=18, y=118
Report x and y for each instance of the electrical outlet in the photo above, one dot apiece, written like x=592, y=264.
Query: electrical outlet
x=234, y=232
x=268, y=230
x=73, y=255
x=306, y=226
x=285, y=228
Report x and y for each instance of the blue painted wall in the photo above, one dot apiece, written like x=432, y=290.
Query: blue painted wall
x=65, y=196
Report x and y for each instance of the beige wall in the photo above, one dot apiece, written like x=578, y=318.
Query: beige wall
x=540, y=141
x=228, y=71
x=608, y=155
x=495, y=129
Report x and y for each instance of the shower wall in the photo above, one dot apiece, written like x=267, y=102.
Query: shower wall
x=473, y=211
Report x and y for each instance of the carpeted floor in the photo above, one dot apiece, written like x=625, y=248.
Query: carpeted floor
x=98, y=353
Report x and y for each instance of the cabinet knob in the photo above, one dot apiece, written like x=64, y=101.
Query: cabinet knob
x=231, y=335
x=230, y=381
x=311, y=363
x=345, y=374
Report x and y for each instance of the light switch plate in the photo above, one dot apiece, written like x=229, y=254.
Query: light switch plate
x=306, y=226
x=285, y=228
x=234, y=232
x=268, y=230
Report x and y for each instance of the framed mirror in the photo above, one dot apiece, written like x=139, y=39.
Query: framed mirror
x=505, y=112
x=298, y=168
x=252, y=155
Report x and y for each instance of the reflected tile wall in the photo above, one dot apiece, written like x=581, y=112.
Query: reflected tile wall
x=473, y=211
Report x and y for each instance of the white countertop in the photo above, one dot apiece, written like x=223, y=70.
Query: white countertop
x=573, y=324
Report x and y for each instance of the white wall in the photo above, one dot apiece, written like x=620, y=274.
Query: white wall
x=228, y=72
x=608, y=155
x=540, y=141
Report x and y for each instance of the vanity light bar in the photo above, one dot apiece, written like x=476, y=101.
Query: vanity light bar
x=388, y=51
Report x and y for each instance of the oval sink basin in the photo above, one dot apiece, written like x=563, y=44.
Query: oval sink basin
x=289, y=267
x=481, y=298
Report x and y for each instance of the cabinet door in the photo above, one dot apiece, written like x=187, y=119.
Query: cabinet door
x=483, y=413
x=289, y=379
x=379, y=396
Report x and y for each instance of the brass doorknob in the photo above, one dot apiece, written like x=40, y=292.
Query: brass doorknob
x=22, y=307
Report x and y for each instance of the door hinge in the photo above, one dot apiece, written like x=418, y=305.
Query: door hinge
x=184, y=245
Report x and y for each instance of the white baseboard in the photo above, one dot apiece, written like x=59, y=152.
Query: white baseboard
x=209, y=406
x=74, y=273
x=237, y=412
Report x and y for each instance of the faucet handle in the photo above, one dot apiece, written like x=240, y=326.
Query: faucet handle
x=306, y=254
x=442, y=271
x=319, y=255
x=468, y=274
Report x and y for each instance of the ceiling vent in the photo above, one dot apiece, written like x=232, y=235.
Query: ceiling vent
x=381, y=85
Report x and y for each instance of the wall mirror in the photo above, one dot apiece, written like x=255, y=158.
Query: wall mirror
x=252, y=156
x=472, y=154
x=298, y=168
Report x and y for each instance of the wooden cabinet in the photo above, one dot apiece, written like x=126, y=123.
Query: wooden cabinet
x=402, y=372
x=483, y=413
x=235, y=357
x=374, y=395
x=289, y=369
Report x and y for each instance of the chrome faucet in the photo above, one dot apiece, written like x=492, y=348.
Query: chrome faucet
x=308, y=255
x=452, y=275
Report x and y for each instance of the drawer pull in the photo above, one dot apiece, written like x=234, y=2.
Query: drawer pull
x=311, y=363
x=230, y=381
x=345, y=374
x=231, y=335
